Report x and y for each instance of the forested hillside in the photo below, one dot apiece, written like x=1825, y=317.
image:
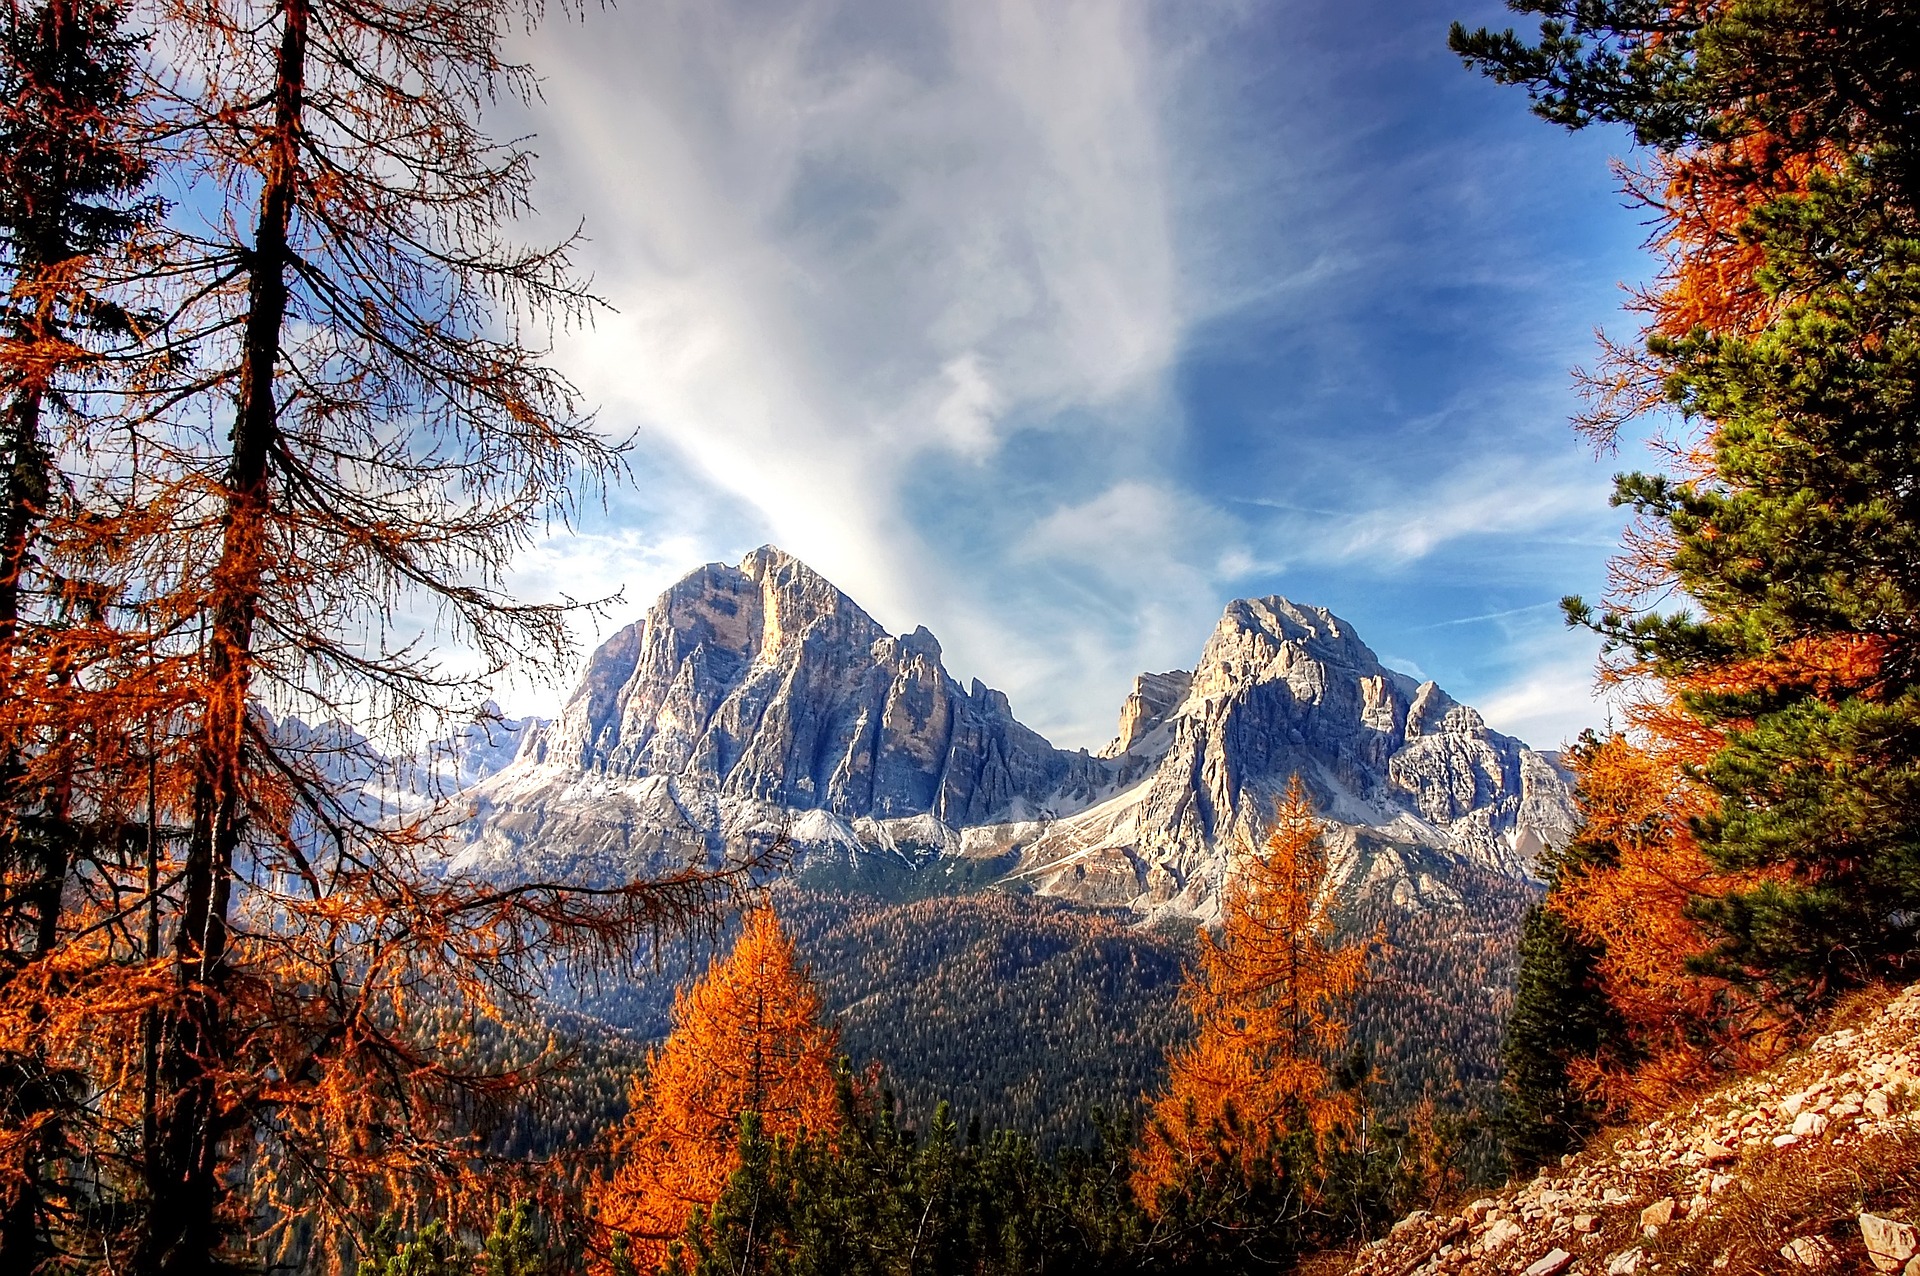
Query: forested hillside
x=1024, y=1013
x=274, y=388
x=1029, y=1013
x=1434, y=1016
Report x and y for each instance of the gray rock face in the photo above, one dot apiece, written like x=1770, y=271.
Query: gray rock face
x=749, y=693
x=1283, y=690
x=1146, y=709
x=758, y=700
x=764, y=682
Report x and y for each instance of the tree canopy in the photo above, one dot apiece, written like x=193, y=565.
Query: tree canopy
x=1764, y=616
x=747, y=1039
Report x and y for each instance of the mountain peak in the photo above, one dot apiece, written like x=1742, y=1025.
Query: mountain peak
x=1283, y=690
x=1147, y=708
x=1304, y=616
x=770, y=562
x=750, y=693
x=757, y=699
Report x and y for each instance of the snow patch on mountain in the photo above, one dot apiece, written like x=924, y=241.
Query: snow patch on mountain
x=757, y=703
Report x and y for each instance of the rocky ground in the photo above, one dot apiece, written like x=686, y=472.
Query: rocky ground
x=1814, y=1165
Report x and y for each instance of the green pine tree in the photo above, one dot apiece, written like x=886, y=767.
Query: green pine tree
x=1809, y=538
x=1799, y=553
x=1559, y=1014
x=433, y=1251
x=513, y=1248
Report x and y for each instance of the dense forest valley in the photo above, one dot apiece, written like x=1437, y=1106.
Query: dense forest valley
x=276, y=385
x=1029, y=1015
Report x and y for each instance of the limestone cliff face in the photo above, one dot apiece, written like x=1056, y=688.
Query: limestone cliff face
x=750, y=694
x=763, y=682
x=1146, y=709
x=1283, y=690
x=758, y=700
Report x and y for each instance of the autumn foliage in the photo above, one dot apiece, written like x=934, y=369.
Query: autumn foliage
x=1748, y=850
x=1268, y=997
x=237, y=995
x=747, y=1038
x=1627, y=888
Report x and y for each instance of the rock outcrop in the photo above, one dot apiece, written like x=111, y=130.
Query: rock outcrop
x=1283, y=690
x=758, y=701
x=1810, y=1166
x=764, y=683
x=1146, y=709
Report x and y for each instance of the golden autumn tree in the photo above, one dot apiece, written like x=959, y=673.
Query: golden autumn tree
x=1750, y=840
x=746, y=1038
x=254, y=979
x=1629, y=891
x=72, y=169
x=1268, y=998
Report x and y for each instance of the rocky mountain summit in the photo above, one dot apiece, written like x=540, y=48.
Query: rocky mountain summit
x=766, y=684
x=1812, y=1166
x=759, y=702
x=1409, y=778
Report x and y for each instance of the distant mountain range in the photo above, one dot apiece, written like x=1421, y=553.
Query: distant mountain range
x=759, y=702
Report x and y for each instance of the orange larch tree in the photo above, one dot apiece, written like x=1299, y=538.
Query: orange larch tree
x=343, y=420
x=1749, y=842
x=73, y=165
x=747, y=1037
x=1625, y=889
x=1268, y=997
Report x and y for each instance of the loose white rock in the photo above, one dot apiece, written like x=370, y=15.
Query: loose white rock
x=1808, y=1251
x=1550, y=1264
x=1889, y=1244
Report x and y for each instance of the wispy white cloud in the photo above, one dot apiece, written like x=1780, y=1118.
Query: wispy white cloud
x=1145, y=536
x=1487, y=497
x=844, y=239
x=874, y=259
x=838, y=246
x=1549, y=702
x=1505, y=613
x=1550, y=691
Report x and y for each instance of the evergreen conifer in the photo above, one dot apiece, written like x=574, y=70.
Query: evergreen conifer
x=1559, y=1014
x=1792, y=528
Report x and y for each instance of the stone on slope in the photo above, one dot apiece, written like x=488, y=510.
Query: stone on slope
x=1808, y=1251
x=1640, y=1178
x=1552, y=1263
x=1889, y=1244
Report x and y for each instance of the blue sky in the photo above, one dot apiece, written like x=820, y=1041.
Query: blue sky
x=1054, y=325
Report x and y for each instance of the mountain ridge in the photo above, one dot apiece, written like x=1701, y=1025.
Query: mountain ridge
x=757, y=702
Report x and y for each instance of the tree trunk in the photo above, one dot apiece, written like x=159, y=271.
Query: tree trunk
x=183, y=1231
x=26, y=495
x=26, y=1089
